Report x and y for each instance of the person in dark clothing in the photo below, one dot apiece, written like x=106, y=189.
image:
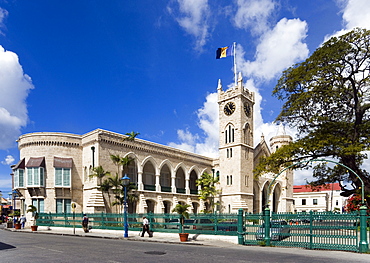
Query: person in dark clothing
x=146, y=227
x=85, y=223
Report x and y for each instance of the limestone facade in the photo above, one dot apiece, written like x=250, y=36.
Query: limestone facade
x=61, y=165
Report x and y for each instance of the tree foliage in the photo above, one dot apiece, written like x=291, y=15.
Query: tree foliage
x=182, y=210
x=208, y=191
x=131, y=136
x=327, y=99
x=100, y=173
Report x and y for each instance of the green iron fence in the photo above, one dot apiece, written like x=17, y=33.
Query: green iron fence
x=215, y=224
x=314, y=230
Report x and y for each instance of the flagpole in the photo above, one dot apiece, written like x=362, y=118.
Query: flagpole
x=235, y=78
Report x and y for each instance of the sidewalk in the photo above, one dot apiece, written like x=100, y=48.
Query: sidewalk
x=207, y=240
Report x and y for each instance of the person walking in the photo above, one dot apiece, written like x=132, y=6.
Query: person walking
x=146, y=227
x=85, y=223
x=23, y=221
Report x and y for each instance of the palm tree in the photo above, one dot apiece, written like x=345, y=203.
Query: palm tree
x=33, y=209
x=105, y=188
x=125, y=162
x=131, y=136
x=116, y=159
x=115, y=184
x=182, y=210
x=99, y=173
x=208, y=190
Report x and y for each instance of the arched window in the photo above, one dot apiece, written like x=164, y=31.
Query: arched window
x=229, y=134
x=247, y=135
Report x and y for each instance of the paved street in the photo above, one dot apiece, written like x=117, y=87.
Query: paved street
x=24, y=246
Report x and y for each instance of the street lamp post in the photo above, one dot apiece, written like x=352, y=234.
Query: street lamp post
x=126, y=182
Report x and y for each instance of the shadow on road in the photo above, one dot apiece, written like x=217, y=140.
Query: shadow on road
x=5, y=246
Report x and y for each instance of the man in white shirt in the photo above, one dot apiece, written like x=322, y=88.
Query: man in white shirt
x=146, y=227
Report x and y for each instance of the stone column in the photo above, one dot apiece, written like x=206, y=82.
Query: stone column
x=140, y=185
x=173, y=184
x=157, y=183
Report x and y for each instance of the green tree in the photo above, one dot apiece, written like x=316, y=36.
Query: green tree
x=121, y=162
x=115, y=186
x=100, y=173
x=103, y=186
x=116, y=183
x=125, y=162
x=208, y=191
x=182, y=210
x=116, y=159
x=327, y=99
x=120, y=198
x=33, y=209
x=131, y=136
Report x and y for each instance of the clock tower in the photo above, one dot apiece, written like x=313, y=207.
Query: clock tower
x=236, y=151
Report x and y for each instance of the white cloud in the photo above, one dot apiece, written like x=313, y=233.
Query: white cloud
x=14, y=89
x=193, y=18
x=3, y=15
x=356, y=13
x=278, y=49
x=254, y=15
x=208, y=122
x=8, y=160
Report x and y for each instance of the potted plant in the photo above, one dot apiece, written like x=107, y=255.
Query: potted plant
x=182, y=210
x=32, y=209
x=16, y=215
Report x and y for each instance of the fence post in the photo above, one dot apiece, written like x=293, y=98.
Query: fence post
x=151, y=217
x=267, y=226
x=363, y=245
x=240, y=226
x=102, y=221
x=311, y=230
x=49, y=221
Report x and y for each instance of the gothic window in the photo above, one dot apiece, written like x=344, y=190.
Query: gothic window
x=247, y=134
x=229, y=134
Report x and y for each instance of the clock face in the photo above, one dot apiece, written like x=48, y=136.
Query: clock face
x=229, y=108
x=247, y=109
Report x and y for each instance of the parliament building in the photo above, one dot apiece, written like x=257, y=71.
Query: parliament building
x=54, y=168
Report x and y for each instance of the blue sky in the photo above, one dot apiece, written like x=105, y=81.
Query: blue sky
x=149, y=66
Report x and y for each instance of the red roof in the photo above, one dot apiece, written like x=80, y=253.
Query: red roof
x=308, y=188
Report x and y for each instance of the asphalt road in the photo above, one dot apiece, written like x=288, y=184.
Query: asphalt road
x=31, y=247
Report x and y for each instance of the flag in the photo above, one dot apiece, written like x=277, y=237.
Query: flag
x=224, y=52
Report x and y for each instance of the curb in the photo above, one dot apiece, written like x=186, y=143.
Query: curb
x=106, y=237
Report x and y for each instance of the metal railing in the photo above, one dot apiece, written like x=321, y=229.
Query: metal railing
x=314, y=230
x=215, y=224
